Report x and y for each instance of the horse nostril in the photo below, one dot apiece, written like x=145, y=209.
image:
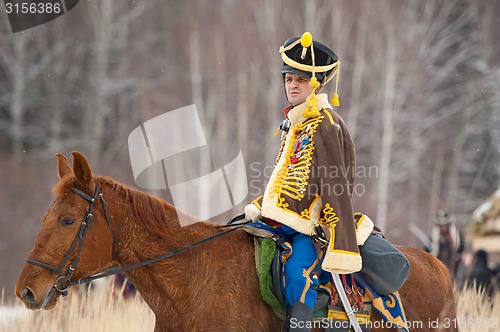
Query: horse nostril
x=27, y=295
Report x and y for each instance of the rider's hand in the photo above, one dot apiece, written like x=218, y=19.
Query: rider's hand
x=252, y=212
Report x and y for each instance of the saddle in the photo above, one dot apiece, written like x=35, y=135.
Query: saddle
x=270, y=267
x=268, y=255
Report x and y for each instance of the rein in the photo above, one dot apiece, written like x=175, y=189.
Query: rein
x=63, y=281
x=164, y=256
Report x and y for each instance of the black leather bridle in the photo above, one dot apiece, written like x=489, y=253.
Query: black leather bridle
x=63, y=281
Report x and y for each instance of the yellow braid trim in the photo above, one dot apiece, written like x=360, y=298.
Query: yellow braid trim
x=329, y=116
x=307, y=68
x=332, y=74
x=331, y=219
x=330, y=216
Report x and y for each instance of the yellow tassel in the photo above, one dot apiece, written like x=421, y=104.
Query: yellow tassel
x=313, y=83
x=277, y=132
x=335, y=97
x=335, y=100
x=311, y=110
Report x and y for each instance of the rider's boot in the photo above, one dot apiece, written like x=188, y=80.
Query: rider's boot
x=300, y=318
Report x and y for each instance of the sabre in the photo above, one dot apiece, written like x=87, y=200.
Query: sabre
x=345, y=302
x=318, y=236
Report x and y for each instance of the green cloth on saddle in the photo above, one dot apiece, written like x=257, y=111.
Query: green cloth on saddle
x=264, y=254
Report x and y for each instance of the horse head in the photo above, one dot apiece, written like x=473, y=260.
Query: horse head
x=75, y=239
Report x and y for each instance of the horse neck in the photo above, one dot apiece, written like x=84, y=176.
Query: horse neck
x=145, y=227
x=138, y=220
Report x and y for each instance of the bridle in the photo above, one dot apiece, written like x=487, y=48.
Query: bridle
x=63, y=281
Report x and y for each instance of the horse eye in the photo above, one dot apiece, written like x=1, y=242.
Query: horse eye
x=67, y=221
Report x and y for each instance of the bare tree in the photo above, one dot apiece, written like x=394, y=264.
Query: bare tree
x=14, y=59
x=358, y=71
x=389, y=89
x=110, y=24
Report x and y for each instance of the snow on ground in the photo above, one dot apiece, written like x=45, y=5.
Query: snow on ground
x=8, y=314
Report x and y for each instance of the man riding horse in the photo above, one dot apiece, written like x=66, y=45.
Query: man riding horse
x=310, y=190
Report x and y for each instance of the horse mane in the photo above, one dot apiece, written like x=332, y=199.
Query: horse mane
x=157, y=215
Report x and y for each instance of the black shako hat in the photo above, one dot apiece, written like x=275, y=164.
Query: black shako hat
x=309, y=58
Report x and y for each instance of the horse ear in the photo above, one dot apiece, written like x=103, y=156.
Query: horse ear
x=63, y=167
x=81, y=169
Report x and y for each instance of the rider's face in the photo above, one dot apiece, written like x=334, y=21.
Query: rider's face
x=297, y=88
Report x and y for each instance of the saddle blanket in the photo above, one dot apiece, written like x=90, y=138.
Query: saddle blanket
x=389, y=306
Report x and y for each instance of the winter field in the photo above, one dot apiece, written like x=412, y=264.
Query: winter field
x=102, y=312
x=99, y=312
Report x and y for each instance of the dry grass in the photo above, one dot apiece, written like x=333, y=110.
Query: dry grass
x=100, y=312
x=477, y=312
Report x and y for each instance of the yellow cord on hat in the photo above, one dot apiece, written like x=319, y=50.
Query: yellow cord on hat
x=311, y=110
x=335, y=97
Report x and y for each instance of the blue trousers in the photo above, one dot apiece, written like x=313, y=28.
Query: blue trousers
x=301, y=261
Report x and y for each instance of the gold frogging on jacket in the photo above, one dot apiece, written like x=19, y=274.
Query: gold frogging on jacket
x=292, y=178
x=294, y=196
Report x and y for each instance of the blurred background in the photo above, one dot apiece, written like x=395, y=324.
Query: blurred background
x=418, y=91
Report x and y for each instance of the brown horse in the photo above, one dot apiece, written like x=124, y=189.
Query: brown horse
x=212, y=287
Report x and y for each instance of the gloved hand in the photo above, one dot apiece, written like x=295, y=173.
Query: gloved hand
x=318, y=234
x=252, y=212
